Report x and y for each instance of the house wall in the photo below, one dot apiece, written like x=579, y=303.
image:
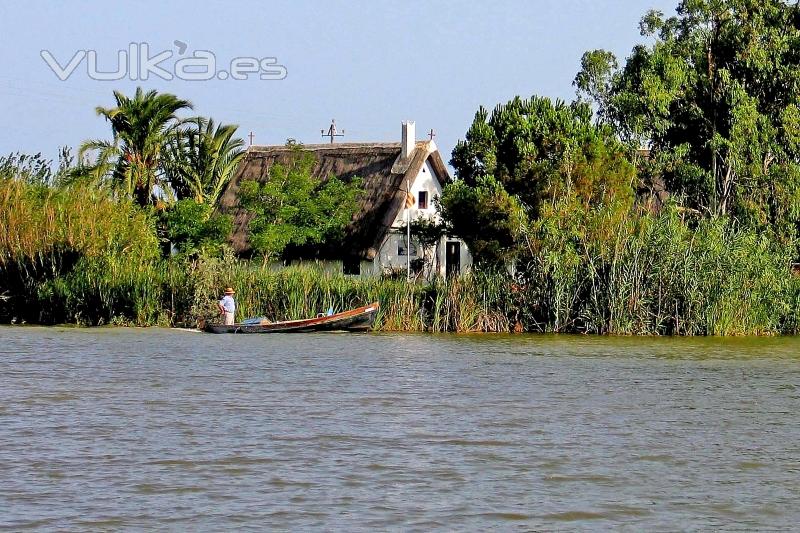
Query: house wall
x=334, y=266
x=465, y=258
x=388, y=258
x=424, y=181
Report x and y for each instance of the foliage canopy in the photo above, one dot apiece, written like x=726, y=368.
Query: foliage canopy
x=292, y=207
x=527, y=153
x=715, y=96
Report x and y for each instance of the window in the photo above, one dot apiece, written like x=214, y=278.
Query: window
x=401, y=247
x=423, y=200
x=351, y=266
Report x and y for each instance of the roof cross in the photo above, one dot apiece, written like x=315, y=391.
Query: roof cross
x=332, y=131
x=251, y=138
x=431, y=134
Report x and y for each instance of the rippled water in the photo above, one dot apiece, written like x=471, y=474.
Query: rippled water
x=121, y=428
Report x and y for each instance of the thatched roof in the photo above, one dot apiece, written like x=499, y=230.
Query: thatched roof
x=380, y=166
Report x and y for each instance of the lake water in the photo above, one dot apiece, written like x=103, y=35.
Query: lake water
x=130, y=429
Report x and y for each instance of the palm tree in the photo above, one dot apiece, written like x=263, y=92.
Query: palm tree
x=141, y=126
x=200, y=160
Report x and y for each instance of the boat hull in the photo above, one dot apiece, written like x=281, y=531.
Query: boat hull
x=360, y=319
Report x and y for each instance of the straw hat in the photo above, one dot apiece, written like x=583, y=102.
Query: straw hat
x=229, y=291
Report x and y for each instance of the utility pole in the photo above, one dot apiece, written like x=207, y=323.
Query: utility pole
x=332, y=131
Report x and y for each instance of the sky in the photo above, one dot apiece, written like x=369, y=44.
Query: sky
x=368, y=64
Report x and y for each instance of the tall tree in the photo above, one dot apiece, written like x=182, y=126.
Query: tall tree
x=201, y=158
x=525, y=153
x=141, y=127
x=716, y=97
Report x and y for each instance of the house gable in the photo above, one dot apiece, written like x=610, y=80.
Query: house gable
x=428, y=183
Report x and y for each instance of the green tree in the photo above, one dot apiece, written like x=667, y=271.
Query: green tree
x=489, y=220
x=716, y=96
x=428, y=234
x=201, y=158
x=525, y=153
x=141, y=127
x=594, y=79
x=192, y=226
x=293, y=207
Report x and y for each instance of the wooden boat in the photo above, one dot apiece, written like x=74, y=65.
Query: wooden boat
x=360, y=319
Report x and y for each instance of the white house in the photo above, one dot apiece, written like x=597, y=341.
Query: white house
x=395, y=175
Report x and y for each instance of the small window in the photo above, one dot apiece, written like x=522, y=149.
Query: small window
x=401, y=248
x=423, y=200
x=351, y=266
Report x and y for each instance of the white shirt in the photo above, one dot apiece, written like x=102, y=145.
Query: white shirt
x=228, y=304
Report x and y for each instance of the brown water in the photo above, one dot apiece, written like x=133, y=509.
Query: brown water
x=131, y=429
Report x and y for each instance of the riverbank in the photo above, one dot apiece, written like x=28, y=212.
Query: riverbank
x=182, y=292
x=79, y=255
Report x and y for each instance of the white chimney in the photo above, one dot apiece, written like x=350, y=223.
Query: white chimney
x=409, y=139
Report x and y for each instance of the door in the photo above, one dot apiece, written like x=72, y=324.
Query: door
x=452, y=258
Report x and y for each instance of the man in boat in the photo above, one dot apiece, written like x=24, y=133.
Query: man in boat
x=227, y=307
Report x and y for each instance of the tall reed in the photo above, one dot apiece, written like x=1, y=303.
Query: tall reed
x=459, y=304
x=74, y=254
x=591, y=271
x=79, y=255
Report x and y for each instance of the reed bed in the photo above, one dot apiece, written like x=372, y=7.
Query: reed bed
x=77, y=255
x=74, y=254
x=303, y=291
x=657, y=274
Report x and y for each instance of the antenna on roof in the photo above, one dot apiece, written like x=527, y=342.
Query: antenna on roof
x=332, y=131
